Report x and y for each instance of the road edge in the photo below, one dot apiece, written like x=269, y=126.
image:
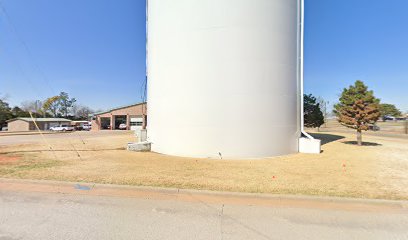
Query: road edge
x=191, y=195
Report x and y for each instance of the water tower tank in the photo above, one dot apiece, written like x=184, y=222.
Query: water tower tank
x=223, y=77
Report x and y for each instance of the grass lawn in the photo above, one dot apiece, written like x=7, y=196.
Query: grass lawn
x=377, y=170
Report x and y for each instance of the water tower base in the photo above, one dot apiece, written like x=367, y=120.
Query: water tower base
x=139, y=147
x=307, y=145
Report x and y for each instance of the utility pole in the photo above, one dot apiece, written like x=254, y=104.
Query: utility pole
x=37, y=103
x=325, y=113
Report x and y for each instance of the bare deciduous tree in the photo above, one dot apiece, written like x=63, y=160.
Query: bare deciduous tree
x=32, y=106
x=81, y=111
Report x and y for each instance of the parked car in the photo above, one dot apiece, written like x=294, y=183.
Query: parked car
x=122, y=126
x=389, y=118
x=374, y=128
x=62, y=128
x=4, y=129
x=86, y=127
x=78, y=128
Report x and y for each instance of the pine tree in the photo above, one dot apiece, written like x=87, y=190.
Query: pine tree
x=65, y=103
x=313, y=115
x=358, y=108
x=5, y=113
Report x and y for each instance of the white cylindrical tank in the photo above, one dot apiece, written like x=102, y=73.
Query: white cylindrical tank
x=223, y=77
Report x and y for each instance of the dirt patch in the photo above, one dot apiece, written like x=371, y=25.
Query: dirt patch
x=5, y=159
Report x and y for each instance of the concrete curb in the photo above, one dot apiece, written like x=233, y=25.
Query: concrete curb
x=212, y=197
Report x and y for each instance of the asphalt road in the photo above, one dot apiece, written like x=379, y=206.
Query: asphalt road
x=44, y=215
x=10, y=139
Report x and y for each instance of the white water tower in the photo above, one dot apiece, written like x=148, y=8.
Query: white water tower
x=224, y=77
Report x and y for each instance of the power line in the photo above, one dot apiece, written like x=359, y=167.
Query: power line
x=25, y=46
x=143, y=93
x=36, y=65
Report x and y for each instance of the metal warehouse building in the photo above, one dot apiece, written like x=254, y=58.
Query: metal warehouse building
x=27, y=124
x=131, y=115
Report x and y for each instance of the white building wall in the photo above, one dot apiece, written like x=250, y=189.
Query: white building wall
x=222, y=77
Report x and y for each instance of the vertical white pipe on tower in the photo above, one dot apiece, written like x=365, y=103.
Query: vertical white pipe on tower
x=301, y=72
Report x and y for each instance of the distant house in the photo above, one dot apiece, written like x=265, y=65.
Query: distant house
x=29, y=124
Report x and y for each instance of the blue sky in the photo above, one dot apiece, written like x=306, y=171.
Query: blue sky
x=90, y=48
x=348, y=40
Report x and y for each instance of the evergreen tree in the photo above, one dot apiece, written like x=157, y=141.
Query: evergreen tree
x=5, y=113
x=65, y=104
x=389, y=109
x=313, y=116
x=358, y=108
x=18, y=112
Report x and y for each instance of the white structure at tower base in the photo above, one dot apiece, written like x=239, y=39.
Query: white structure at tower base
x=309, y=145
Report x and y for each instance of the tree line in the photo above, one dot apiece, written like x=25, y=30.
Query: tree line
x=61, y=105
x=357, y=108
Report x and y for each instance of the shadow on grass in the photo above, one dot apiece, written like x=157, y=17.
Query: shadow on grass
x=326, y=138
x=371, y=144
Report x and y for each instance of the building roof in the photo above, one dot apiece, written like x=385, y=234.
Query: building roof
x=117, y=108
x=41, y=119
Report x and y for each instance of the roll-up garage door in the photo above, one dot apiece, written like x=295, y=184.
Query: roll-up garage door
x=136, y=122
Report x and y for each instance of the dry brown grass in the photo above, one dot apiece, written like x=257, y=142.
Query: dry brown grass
x=378, y=170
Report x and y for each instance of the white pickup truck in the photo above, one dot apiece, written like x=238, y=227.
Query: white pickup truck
x=86, y=127
x=62, y=128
